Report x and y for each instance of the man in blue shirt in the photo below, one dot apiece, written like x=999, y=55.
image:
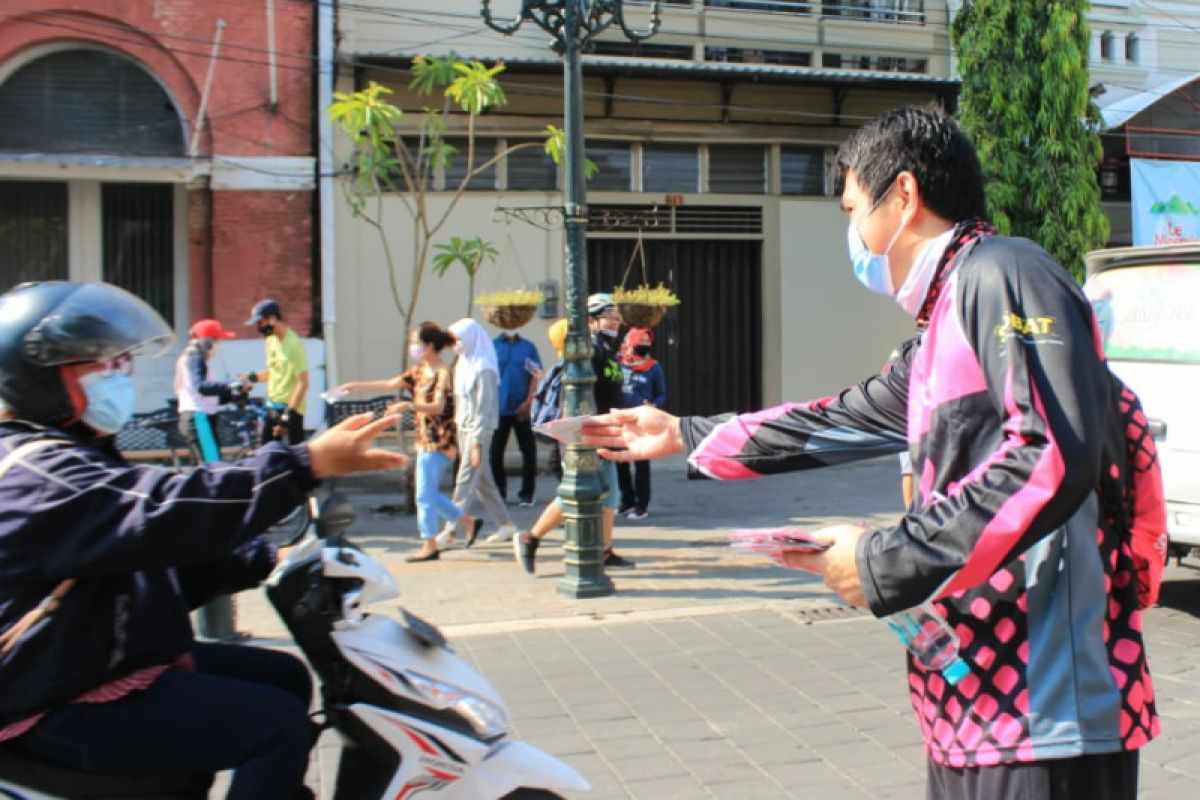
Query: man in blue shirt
x=517, y=358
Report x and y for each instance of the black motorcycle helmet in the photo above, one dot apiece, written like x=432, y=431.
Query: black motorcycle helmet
x=44, y=326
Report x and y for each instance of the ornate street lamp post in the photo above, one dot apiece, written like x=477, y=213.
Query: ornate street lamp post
x=573, y=24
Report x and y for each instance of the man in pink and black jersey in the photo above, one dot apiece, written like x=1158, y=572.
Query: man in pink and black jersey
x=1020, y=531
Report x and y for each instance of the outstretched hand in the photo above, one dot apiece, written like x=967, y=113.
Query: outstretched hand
x=346, y=447
x=634, y=434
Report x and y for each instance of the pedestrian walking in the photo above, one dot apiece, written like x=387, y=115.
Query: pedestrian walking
x=518, y=361
x=1019, y=533
x=644, y=385
x=476, y=410
x=547, y=398
x=431, y=386
x=286, y=373
x=604, y=323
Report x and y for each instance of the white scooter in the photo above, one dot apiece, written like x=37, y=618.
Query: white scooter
x=414, y=718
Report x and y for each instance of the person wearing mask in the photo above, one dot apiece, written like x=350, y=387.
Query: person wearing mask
x=286, y=373
x=198, y=395
x=547, y=398
x=431, y=385
x=476, y=407
x=604, y=322
x=1019, y=532
x=99, y=670
x=644, y=385
x=518, y=361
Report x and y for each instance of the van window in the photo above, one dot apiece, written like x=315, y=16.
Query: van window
x=1156, y=312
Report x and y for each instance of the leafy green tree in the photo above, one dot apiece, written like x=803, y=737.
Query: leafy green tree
x=1025, y=102
x=397, y=158
x=471, y=253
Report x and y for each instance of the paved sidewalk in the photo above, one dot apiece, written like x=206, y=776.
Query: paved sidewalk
x=709, y=675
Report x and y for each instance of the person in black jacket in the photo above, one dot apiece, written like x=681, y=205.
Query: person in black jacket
x=101, y=561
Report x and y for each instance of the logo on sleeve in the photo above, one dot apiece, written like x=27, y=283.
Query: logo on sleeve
x=1029, y=330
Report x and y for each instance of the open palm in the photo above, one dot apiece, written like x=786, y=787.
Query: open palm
x=634, y=434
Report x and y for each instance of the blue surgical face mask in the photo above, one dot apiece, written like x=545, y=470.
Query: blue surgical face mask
x=872, y=270
x=110, y=401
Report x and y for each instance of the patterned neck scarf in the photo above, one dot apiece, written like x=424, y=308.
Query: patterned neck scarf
x=966, y=233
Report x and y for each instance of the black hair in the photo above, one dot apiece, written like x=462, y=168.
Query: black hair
x=435, y=336
x=925, y=141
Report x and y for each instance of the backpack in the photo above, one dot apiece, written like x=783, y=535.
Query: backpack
x=547, y=401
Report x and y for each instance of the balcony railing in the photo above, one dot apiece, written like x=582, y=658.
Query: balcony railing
x=893, y=11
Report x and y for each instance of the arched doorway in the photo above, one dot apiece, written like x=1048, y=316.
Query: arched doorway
x=111, y=130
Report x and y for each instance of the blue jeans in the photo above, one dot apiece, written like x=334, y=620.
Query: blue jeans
x=244, y=708
x=432, y=505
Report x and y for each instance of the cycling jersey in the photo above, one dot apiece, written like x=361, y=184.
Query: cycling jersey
x=1019, y=528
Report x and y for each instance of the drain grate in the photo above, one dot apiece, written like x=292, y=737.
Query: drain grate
x=829, y=613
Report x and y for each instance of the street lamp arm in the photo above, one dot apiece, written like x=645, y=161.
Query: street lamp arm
x=581, y=20
x=546, y=14
x=618, y=14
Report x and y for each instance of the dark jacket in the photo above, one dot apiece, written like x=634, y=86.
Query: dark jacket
x=606, y=363
x=645, y=386
x=145, y=546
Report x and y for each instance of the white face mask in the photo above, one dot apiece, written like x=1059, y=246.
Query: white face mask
x=110, y=401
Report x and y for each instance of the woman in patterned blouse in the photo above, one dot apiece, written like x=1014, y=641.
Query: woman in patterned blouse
x=432, y=386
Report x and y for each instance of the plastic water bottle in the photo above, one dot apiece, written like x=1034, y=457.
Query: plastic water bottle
x=931, y=640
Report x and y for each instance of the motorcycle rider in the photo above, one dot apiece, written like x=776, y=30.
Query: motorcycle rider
x=101, y=561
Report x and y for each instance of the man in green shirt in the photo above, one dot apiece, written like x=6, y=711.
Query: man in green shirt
x=286, y=373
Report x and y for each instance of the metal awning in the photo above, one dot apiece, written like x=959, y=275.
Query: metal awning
x=1121, y=103
x=667, y=67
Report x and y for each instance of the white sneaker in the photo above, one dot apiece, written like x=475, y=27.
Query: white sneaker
x=445, y=539
x=503, y=533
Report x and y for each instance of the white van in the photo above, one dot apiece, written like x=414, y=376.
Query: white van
x=1155, y=348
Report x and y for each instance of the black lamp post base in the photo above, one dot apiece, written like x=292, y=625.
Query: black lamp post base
x=579, y=587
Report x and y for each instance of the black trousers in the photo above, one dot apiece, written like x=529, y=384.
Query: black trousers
x=525, y=440
x=1109, y=776
x=635, y=489
x=293, y=431
x=244, y=708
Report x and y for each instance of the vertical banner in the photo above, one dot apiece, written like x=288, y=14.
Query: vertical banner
x=1165, y=201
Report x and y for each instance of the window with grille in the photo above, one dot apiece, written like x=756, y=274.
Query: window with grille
x=737, y=169
x=33, y=232
x=456, y=165
x=802, y=170
x=531, y=168
x=88, y=101
x=614, y=163
x=670, y=168
x=138, y=231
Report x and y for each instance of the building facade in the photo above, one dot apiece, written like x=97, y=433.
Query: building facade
x=166, y=147
x=713, y=140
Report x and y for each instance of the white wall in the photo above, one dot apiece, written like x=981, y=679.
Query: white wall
x=833, y=332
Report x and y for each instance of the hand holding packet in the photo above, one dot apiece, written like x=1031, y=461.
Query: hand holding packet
x=775, y=543
x=568, y=430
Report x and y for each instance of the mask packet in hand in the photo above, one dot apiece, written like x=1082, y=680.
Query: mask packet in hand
x=568, y=430
x=775, y=543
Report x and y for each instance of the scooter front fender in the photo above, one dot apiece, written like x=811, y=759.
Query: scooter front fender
x=514, y=764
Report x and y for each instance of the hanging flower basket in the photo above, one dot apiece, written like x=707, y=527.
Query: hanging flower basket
x=644, y=306
x=512, y=309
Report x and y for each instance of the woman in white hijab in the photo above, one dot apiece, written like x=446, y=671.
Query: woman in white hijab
x=476, y=413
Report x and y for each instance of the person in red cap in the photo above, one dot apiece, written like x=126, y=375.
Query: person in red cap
x=199, y=396
x=644, y=384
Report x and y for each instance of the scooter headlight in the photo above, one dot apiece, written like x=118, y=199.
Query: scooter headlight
x=488, y=719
